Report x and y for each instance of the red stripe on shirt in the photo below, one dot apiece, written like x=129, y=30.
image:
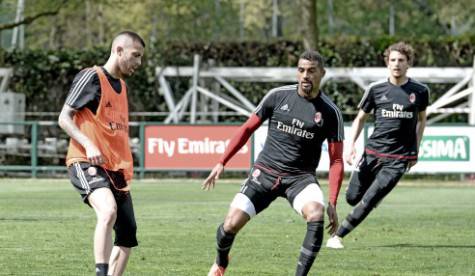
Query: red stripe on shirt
x=393, y=156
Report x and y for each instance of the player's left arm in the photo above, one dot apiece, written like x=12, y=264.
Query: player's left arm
x=421, y=122
x=335, y=178
x=335, y=174
x=421, y=125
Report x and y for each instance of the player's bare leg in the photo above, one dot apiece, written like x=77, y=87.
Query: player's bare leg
x=103, y=203
x=313, y=214
x=234, y=221
x=118, y=260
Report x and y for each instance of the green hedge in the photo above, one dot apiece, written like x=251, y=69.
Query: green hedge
x=45, y=76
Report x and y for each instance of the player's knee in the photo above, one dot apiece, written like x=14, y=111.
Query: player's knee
x=232, y=223
x=108, y=216
x=313, y=211
x=352, y=199
x=126, y=238
x=231, y=226
x=126, y=234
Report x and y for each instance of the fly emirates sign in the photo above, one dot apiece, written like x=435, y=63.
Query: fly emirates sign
x=191, y=147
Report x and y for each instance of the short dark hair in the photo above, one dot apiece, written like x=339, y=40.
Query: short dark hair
x=402, y=48
x=313, y=56
x=133, y=35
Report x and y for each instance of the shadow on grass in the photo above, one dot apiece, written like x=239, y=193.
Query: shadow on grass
x=33, y=219
x=21, y=219
x=434, y=246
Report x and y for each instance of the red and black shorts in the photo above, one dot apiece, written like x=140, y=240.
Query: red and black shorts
x=263, y=186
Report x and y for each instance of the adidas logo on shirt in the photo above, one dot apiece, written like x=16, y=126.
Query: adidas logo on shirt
x=285, y=107
x=108, y=104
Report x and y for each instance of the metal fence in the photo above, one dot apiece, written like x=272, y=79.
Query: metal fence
x=36, y=144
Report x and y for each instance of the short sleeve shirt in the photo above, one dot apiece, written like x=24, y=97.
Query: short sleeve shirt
x=85, y=91
x=297, y=129
x=396, y=110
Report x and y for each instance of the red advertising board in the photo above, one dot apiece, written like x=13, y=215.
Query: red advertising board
x=171, y=147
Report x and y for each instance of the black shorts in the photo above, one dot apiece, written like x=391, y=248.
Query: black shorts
x=374, y=178
x=87, y=178
x=262, y=187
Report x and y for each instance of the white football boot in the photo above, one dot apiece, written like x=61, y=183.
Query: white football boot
x=335, y=242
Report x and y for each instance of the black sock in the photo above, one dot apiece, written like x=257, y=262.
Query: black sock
x=357, y=215
x=310, y=247
x=344, y=229
x=101, y=269
x=224, y=241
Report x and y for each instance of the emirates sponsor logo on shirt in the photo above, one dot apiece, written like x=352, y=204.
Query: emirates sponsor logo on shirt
x=296, y=129
x=114, y=126
x=397, y=112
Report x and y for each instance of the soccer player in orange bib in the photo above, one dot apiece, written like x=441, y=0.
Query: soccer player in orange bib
x=95, y=116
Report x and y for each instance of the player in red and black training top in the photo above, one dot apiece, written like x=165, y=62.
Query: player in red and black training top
x=398, y=105
x=301, y=118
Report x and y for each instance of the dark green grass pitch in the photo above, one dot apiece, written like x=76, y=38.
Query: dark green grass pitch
x=419, y=229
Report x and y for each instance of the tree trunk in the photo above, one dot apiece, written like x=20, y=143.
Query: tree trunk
x=309, y=23
x=276, y=19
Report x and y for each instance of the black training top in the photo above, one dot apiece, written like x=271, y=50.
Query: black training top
x=396, y=110
x=86, y=89
x=297, y=129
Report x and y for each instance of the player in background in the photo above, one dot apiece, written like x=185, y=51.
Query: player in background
x=398, y=105
x=95, y=116
x=301, y=118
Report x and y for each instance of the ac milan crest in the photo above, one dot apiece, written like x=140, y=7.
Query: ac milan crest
x=256, y=173
x=412, y=97
x=318, y=119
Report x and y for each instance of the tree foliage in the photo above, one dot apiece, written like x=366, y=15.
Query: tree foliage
x=44, y=76
x=89, y=23
x=232, y=33
x=31, y=14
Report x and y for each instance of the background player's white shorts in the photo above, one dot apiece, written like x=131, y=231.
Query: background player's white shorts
x=311, y=193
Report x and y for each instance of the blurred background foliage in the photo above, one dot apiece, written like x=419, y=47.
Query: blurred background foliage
x=66, y=36
x=83, y=24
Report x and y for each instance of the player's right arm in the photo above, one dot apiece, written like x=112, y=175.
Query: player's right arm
x=263, y=111
x=239, y=139
x=356, y=128
x=66, y=122
x=82, y=94
x=365, y=106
